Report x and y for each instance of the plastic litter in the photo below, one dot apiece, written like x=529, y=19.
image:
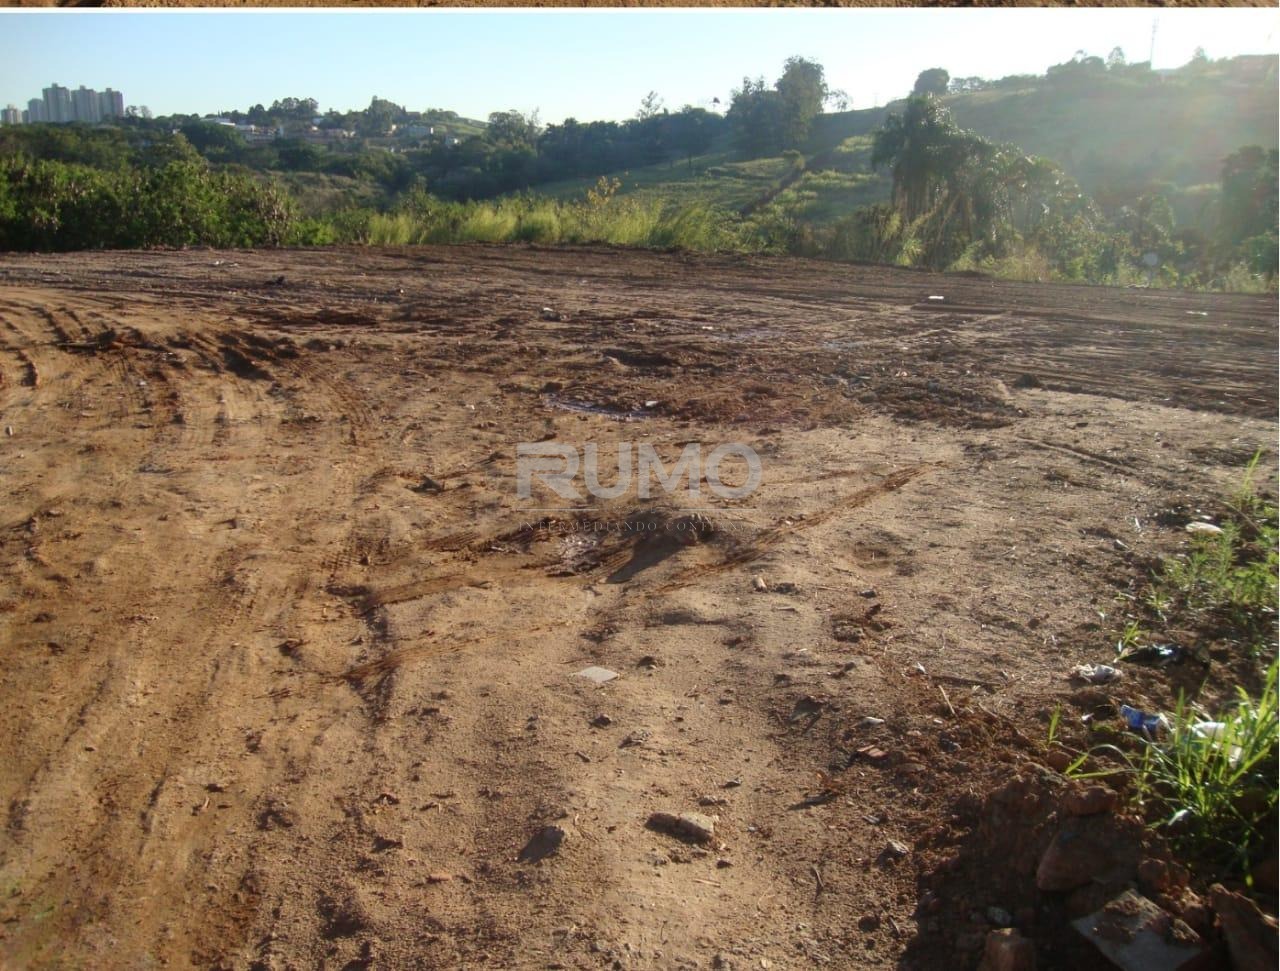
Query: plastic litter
x=937, y=298
x=1214, y=733
x=1204, y=529
x=1096, y=673
x=1143, y=722
x=1154, y=654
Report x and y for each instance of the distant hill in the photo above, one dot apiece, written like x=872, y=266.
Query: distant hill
x=1114, y=131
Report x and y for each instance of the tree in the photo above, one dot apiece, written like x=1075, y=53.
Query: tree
x=513, y=129
x=768, y=120
x=692, y=131
x=377, y=119
x=954, y=189
x=1116, y=59
x=755, y=116
x=803, y=91
x=913, y=145
x=294, y=109
x=1249, y=194
x=298, y=156
x=213, y=141
x=650, y=106
x=934, y=82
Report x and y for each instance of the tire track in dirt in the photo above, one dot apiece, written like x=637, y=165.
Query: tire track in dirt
x=340, y=683
x=240, y=590
x=751, y=551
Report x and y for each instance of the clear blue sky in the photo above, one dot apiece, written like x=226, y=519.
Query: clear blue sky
x=583, y=63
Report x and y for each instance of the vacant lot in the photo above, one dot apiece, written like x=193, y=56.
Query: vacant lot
x=288, y=665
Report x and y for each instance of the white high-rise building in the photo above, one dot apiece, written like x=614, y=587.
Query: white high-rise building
x=10, y=116
x=60, y=105
x=57, y=104
x=85, y=106
x=111, y=104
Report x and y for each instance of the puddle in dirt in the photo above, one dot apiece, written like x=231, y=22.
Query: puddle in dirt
x=607, y=411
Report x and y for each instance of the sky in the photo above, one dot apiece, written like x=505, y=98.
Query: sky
x=587, y=64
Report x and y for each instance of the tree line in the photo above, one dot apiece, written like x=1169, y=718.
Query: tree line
x=958, y=200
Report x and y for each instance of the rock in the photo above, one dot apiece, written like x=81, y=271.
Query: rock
x=1190, y=908
x=1250, y=934
x=601, y=721
x=929, y=903
x=1058, y=759
x=690, y=827
x=649, y=661
x=761, y=585
x=999, y=916
x=894, y=851
x=1089, y=800
x=544, y=843
x=868, y=922
x=439, y=876
x=1160, y=876
x=1007, y=950
x=1077, y=855
x=596, y=675
x=1136, y=935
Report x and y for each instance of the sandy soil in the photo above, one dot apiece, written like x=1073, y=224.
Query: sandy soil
x=288, y=664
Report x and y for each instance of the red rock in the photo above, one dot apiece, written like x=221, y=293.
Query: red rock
x=1251, y=935
x=1191, y=909
x=1007, y=950
x=1073, y=859
x=1160, y=876
x=1089, y=800
x=1058, y=759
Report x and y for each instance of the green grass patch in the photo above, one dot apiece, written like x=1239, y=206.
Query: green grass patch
x=1228, y=580
x=1211, y=786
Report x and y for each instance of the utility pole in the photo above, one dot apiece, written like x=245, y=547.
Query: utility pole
x=1155, y=25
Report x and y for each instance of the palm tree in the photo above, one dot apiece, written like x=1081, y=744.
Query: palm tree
x=915, y=146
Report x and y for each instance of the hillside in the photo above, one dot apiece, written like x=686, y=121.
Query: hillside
x=1115, y=132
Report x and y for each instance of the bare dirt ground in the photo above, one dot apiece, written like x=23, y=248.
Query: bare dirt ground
x=288, y=665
